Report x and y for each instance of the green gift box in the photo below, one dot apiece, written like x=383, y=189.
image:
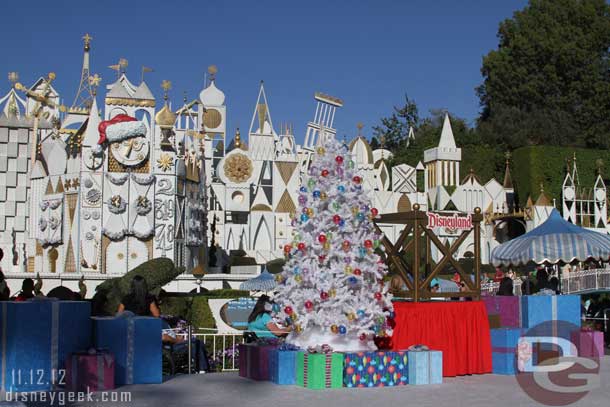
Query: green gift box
x=319, y=370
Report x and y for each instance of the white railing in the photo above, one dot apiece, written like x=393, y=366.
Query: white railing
x=571, y=283
x=585, y=280
x=222, y=346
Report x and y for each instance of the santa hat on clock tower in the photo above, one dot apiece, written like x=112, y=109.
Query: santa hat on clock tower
x=121, y=127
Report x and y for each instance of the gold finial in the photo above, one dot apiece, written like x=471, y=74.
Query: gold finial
x=94, y=82
x=87, y=38
x=13, y=78
x=359, y=125
x=123, y=64
x=166, y=86
x=212, y=70
x=51, y=76
x=237, y=138
x=508, y=156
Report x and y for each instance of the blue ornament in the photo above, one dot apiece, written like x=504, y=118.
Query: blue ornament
x=341, y=188
x=342, y=330
x=392, y=315
x=360, y=313
x=352, y=280
x=303, y=189
x=360, y=216
x=316, y=194
x=276, y=308
x=341, y=222
x=288, y=321
x=304, y=217
x=297, y=270
x=362, y=252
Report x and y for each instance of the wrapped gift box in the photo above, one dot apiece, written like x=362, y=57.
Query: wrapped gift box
x=319, y=370
x=92, y=370
x=375, y=369
x=282, y=366
x=504, y=343
x=537, y=309
x=243, y=359
x=508, y=308
x=590, y=344
x=425, y=367
x=37, y=337
x=258, y=361
x=504, y=362
x=136, y=345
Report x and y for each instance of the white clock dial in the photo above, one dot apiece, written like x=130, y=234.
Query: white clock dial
x=130, y=152
x=93, y=161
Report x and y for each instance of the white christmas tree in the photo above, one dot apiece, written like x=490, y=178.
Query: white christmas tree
x=331, y=290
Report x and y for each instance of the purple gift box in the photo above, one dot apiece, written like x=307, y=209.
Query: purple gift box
x=93, y=370
x=590, y=344
x=254, y=361
x=507, y=307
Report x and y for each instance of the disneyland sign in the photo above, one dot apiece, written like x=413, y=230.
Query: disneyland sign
x=449, y=223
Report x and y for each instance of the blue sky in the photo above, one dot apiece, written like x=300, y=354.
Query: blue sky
x=369, y=53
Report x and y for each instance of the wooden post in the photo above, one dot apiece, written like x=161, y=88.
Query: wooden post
x=416, y=259
x=476, y=220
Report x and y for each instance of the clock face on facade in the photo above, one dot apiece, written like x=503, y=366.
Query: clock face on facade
x=238, y=168
x=130, y=152
x=212, y=118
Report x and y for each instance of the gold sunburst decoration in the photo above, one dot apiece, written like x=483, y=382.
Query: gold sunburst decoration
x=165, y=162
x=238, y=168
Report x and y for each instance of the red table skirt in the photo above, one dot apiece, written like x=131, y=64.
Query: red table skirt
x=459, y=329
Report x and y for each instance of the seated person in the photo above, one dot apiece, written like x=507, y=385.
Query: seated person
x=260, y=321
x=180, y=346
x=139, y=301
x=27, y=290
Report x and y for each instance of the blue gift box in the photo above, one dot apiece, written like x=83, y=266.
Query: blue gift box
x=537, y=309
x=507, y=338
x=37, y=337
x=425, y=367
x=282, y=366
x=136, y=345
x=375, y=369
x=504, y=362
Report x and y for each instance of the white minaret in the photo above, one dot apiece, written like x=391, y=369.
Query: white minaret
x=443, y=162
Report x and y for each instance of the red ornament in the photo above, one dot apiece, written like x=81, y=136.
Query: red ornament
x=363, y=336
x=357, y=272
x=321, y=258
x=368, y=244
x=345, y=245
x=325, y=173
x=287, y=248
x=374, y=211
x=308, y=304
x=301, y=246
x=356, y=179
x=377, y=295
x=336, y=219
x=288, y=310
x=339, y=159
x=322, y=239
x=324, y=295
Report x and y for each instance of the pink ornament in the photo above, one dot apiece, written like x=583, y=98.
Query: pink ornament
x=308, y=305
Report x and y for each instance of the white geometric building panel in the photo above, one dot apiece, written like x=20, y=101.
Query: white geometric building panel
x=141, y=200
x=115, y=202
x=404, y=179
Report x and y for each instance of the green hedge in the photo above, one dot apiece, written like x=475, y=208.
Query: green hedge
x=533, y=165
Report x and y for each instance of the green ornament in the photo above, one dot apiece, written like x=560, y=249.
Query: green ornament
x=311, y=182
x=376, y=243
x=336, y=206
x=351, y=164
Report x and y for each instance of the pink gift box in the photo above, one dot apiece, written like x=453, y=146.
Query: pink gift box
x=507, y=307
x=590, y=344
x=93, y=371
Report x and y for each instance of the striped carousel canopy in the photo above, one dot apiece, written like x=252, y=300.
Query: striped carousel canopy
x=263, y=282
x=556, y=240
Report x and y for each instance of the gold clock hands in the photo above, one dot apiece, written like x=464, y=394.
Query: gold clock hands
x=129, y=148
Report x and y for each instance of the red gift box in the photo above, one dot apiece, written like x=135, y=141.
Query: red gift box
x=92, y=370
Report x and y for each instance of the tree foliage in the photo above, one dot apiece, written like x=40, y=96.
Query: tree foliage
x=548, y=82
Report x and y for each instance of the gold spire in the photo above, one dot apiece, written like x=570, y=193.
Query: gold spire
x=87, y=39
x=212, y=70
x=165, y=118
x=94, y=82
x=123, y=64
x=237, y=139
x=359, y=125
x=508, y=180
x=13, y=78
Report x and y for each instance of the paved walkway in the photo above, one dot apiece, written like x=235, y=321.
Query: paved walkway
x=230, y=390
